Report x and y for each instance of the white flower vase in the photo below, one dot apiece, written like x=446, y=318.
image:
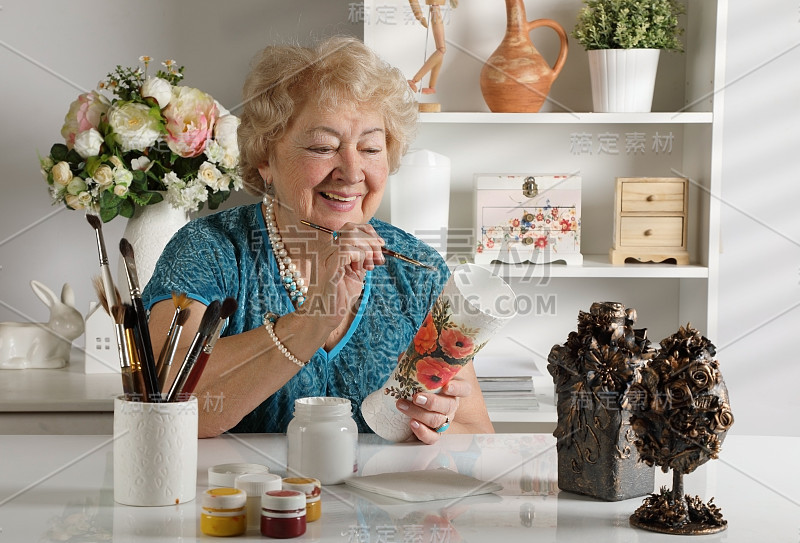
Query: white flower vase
x=149, y=231
x=623, y=80
x=473, y=305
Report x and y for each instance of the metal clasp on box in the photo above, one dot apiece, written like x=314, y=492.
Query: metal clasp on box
x=529, y=188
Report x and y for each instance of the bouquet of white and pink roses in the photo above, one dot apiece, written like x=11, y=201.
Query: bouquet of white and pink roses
x=152, y=136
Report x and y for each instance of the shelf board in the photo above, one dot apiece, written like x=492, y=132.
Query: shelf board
x=669, y=117
x=599, y=266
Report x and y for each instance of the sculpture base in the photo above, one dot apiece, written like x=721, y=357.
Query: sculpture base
x=691, y=528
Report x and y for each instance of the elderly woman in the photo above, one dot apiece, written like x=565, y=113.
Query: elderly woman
x=321, y=130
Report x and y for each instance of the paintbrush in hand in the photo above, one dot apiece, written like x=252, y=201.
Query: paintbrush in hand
x=207, y=326
x=384, y=250
x=227, y=309
x=108, y=283
x=144, y=343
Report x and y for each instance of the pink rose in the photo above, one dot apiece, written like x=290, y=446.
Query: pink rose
x=190, y=119
x=84, y=113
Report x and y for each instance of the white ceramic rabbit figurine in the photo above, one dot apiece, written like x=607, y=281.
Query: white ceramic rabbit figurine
x=42, y=345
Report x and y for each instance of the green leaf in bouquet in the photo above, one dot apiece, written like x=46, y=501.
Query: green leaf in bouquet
x=216, y=198
x=92, y=163
x=127, y=208
x=59, y=152
x=73, y=157
x=109, y=205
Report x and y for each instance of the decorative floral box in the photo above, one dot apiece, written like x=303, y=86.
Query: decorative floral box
x=528, y=218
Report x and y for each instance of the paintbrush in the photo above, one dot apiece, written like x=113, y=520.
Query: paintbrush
x=118, y=314
x=171, y=347
x=384, y=250
x=207, y=326
x=180, y=302
x=137, y=378
x=143, y=333
x=108, y=283
x=227, y=309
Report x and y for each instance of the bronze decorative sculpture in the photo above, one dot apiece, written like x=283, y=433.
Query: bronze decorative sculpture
x=681, y=413
x=592, y=371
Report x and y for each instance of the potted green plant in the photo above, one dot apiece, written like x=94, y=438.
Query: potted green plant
x=624, y=39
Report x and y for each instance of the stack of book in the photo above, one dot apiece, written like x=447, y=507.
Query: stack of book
x=509, y=393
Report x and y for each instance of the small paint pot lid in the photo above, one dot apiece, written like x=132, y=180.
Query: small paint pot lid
x=256, y=484
x=283, y=500
x=224, y=498
x=225, y=474
x=307, y=485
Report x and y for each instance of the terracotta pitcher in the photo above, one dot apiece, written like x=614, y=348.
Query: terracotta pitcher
x=516, y=78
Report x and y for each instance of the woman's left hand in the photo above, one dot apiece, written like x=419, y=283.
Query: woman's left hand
x=431, y=414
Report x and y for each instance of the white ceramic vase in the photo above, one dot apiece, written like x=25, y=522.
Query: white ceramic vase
x=473, y=305
x=623, y=80
x=149, y=231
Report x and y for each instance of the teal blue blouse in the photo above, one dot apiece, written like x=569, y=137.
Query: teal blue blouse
x=228, y=254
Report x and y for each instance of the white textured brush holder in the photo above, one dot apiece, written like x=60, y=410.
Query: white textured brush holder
x=473, y=306
x=155, y=452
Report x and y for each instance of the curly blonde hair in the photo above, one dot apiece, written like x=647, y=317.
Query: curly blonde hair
x=339, y=70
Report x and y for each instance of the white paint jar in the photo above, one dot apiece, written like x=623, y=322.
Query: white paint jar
x=323, y=440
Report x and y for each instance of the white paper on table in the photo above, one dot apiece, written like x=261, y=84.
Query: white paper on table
x=423, y=485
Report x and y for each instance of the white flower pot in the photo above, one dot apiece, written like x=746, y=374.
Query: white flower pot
x=149, y=231
x=623, y=79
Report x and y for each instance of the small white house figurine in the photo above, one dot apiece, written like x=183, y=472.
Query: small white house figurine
x=42, y=344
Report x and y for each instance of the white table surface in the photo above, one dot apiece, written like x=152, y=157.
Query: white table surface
x=60, y=488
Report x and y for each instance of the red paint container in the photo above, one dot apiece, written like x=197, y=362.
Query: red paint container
x=283, y=514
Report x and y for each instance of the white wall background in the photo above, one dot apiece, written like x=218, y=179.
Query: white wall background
x=52, y=50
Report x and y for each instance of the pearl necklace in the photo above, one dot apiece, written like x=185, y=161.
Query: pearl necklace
x=290, y=275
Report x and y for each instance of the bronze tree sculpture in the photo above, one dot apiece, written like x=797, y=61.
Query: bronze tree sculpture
x=681, y=413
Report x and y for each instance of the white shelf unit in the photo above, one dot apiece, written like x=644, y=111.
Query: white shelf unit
x=687, y=113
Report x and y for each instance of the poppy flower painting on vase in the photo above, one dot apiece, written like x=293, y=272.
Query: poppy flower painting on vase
x=473, y=305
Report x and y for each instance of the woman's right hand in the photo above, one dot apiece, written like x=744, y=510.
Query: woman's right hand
x=342, y=264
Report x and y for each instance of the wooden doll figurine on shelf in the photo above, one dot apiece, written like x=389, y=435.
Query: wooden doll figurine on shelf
x=433, y=63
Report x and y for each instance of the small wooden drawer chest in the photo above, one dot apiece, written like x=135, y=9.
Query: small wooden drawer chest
x=650, y=220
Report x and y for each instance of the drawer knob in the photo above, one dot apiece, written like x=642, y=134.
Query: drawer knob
x=651, y=198
x=648, y=232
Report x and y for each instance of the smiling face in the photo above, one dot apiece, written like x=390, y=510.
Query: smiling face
x=330, y=167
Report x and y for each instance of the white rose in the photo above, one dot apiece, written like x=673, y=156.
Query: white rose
x=225, y=131
x=210, y=175
x=120, y=190
x=221, y=109
x=116, y=161
x=135, y=130
x=122, y=176
x=141, y=163
x=88, y=143
x=77, y=201
x=230, y=159
x=62, y=175
x=103, y=175
x=158, y=89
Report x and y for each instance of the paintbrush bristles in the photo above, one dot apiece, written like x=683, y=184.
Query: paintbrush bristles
x=118, y=314
x=100, y=290
x=94, y=221
x=180, y=300
x=126, y=249
x=210, y=318
x=228, y=308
